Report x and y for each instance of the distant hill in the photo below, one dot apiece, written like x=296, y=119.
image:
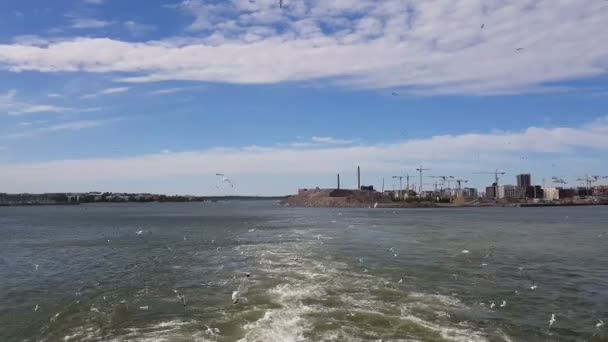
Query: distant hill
x=336, y=198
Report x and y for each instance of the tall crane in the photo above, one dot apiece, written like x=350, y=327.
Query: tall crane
x=459, y=182
x=434, y=177
x=407, y=178
x=420, y=170
x=589, y=180
x=400, y=186
x=496, y=174
x=445, y=179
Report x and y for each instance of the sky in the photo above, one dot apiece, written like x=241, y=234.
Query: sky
x=160, y=95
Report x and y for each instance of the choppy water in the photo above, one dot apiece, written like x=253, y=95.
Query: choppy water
x=315, y=274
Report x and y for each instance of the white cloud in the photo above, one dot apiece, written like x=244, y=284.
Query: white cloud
x=107, y=91
x=116, y=90
x=458, y=153
x=430, y=47
x=93, y=2
x=89, y=23
x=138, y=29
x=54, y=95
x=330, y=140
x=56, y=127
x=32, y=123
x=31, y=39
x=74, y=125
x=167, y=91
x=31, y=109
x=10, y=105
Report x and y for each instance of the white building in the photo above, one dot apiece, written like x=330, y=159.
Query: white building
x=511, y=192
x=551, y=194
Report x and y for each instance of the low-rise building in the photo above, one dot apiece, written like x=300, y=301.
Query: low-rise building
x=600, y=190
x=568, y=194
x=465, y=193
x=511, y=192
x=534, y=191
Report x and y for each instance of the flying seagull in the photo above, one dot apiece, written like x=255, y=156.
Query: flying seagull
x=224, y=180
x=181, y=297
x=235, y=295
x=212, y=331
x=483, y=25
x=552, y=320
x=520, y=49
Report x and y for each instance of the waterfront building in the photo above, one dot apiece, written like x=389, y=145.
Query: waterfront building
x=551, y=194
x=491, y=191
x=535, y=191
x=511, y=192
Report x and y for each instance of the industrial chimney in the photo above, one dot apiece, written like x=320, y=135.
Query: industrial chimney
x=338, y=181
x=358, y=178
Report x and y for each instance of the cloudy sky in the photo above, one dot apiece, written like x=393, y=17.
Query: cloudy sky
x=160, y=95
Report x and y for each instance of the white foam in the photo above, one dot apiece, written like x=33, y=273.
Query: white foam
x=447, y=333
x=82, y=334
x=437, y=299
x=159, y=332
x=307, y=278
x=277, y=325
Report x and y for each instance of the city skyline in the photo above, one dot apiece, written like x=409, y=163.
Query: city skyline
x=159, y=97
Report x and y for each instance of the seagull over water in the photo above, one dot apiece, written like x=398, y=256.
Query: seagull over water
x=552, y=320
x=181, y=297
x=212, y=331
x=235, y=296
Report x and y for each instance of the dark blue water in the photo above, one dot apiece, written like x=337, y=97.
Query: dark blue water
x=491, y=274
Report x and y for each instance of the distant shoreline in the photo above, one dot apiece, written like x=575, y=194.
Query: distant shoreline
x=198, y=199
x=336, y=198
x=430, y=205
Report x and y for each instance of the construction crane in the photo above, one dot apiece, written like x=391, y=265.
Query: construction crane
x=589, y=180
x=400, y=185
x=445, y=179
x=434, y=177
x=420, y=170
x=459, y=182
x=496, y=174
x=558, y=180
x=407, y=179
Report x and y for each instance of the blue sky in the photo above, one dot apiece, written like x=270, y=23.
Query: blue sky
x=158, y=96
